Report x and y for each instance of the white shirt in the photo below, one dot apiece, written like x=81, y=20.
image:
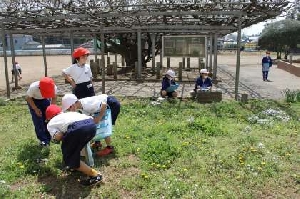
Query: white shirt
x=34, y=90
x=92, y=105
x=17, y=67
x=79, y=74
x=60, y=122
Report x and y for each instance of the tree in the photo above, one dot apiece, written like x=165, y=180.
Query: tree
x=281, y=36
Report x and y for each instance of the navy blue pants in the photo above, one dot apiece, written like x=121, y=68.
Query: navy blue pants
x=39, y=123
x=115, y=107
x=265, y=75
x=77, y=136
x=82, y=90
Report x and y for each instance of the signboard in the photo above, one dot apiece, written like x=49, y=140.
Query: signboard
x=184, y=46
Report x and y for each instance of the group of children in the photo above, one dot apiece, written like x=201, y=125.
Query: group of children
x=169, y=86
x=66, y=125
x=75, y=124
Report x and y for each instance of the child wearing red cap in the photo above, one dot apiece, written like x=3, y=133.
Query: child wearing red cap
x=75, y=130
x=39, y=96
x=79, y=74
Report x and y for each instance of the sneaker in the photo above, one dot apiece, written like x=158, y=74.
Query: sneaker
x=107, y=150
x=44, y=144
x=92, y=180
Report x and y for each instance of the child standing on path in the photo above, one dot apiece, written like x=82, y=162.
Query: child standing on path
x=79, y=74
x=75, y=130
x=18, y=70
x=39, y=96
x=92, y=105
x=266, y=64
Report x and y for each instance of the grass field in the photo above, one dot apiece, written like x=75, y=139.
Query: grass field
x=170, y=150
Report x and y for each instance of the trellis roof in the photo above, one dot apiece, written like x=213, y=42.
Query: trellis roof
x=92, y=16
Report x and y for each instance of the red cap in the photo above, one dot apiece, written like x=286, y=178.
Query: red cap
x=47, y=87
x=52, y=111
x=78, y=52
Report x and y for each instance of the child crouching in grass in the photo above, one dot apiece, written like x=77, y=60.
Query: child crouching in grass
x=91, y=106
x=75, y=130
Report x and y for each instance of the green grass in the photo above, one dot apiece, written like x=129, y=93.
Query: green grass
x=172, y=150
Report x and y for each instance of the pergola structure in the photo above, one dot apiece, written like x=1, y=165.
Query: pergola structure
x=212, y=18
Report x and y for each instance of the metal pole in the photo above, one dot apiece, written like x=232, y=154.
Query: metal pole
x=139, y=49
x=210, y=52
x=72, y=44
x=215, y=57
x=5, y=62
x=44, y=56
x=153, y=51
x=95, y=47
x=103, y=62
x=13, y=59
x=161, y=55
x=238, y=58
x=206, y=53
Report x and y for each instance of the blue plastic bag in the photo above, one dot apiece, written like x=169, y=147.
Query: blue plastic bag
x=172, y=88
x=104, y=127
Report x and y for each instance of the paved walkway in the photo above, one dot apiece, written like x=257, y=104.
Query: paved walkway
x=250, y=83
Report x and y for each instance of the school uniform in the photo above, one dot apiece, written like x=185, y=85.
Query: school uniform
x=200, y=83
x=42, y=104
x=78, y=129
x=82, y=77
x=266, y=64
x=18, y=67
x=166, y=83
x=91, y=105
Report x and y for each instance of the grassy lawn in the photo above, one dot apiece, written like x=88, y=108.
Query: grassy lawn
x=171, y=150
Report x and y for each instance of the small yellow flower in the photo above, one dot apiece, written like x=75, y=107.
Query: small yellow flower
x=185, y=170
x=263, y=163
x=22, y=166
x=163, y=166
x=138, y=149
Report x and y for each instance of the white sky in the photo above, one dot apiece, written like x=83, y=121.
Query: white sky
x=257, y=28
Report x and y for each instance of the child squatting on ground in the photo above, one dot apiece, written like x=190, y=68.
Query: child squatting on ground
x=92, y=106
x=39, y=96
x=167, y=83
x=74, y=130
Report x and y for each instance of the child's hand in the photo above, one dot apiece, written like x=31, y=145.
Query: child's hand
x=38, y=112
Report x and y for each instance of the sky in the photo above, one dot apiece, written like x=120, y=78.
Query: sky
x=257, y=28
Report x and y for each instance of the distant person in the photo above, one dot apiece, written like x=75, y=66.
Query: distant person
x=266, y=64
x=74, y=130
x=40, y=95
x=79, y=74
x=16, y=69
x=169, y=85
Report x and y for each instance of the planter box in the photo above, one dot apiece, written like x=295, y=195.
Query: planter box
x=289, y=68
x=208, y=97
